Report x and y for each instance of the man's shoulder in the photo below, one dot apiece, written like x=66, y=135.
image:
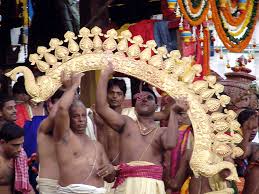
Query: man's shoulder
x=129, y=112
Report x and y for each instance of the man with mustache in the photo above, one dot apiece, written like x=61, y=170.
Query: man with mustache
x=142, y=142
x=109, y=138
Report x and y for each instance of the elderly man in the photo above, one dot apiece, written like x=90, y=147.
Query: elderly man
x=82, y=162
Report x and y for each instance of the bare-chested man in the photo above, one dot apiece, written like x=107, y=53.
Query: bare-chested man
x=8, y=114
x=11, y=141
x=199, y=185
x=107, y=136
x=116, y=91
x=142, y=142
x=49, y=171
x=82, y=162
x=252, y=174
x=248, y=119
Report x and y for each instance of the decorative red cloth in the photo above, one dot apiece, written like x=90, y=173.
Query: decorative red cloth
x=21, y=182
x=145, y=28
x=21, y=114
x=147, y=171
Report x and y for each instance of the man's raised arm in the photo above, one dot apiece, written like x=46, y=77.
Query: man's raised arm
x=111, y=117
x=62, y=120
x=47, y=125
x=170, y=136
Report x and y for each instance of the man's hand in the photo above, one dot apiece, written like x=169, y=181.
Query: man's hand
x=180, y=105
x=106, y=170
x=76, y=79
x=109, y=69
x=71, y=81
x=53, y=110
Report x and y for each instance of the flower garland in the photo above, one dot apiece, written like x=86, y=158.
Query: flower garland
x=206, y=52
x=237, y=31
x=231, y=42
x=195, y=15
x=196, y=7
x=250, y=22
x=234, y=21
x=233, y=6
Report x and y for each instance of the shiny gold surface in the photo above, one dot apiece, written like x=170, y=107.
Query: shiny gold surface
x=91, y=50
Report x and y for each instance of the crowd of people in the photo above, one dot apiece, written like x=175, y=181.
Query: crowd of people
x=62, y=147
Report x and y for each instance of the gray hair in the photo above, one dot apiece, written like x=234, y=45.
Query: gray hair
x=76, y=103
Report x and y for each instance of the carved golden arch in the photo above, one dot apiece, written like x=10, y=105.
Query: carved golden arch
x=166, y=71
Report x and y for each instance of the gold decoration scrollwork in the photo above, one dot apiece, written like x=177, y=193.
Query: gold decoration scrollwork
x=215, y=133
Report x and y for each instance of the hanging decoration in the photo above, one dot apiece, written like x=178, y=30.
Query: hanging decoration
x=206, y=50
x=171, y=4
x=235, y=37
x=195, y=11
x=234, y=20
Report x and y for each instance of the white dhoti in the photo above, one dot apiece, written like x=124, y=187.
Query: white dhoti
x=108, y=187
x=47, y=186
x=140, y=185
x=80, y=188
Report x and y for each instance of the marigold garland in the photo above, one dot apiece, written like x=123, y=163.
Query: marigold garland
x=239, y=30
x=250, y=21
x=224, y=18
x=206, y=52
x=193, y=21
x=230, y=42
x=232, y=20
x=233, y=4
x=194, y=9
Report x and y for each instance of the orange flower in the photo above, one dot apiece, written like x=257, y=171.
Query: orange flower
x=197, y=22
x=225, y=40
x=194, y=9
x=206, y=53
x=232, y=20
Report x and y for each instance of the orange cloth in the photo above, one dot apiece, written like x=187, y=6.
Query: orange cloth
x=240, y=185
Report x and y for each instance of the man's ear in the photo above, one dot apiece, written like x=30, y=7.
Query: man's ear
x=2, y=141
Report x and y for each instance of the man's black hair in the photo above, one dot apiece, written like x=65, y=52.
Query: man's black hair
x=117, y=82
x=10, y=131
x=4, y=99
x=3, y=84
x=19, y=88
x=245, y=115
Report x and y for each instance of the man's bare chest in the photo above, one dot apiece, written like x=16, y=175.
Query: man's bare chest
x=136, y=139
x=6, y=172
